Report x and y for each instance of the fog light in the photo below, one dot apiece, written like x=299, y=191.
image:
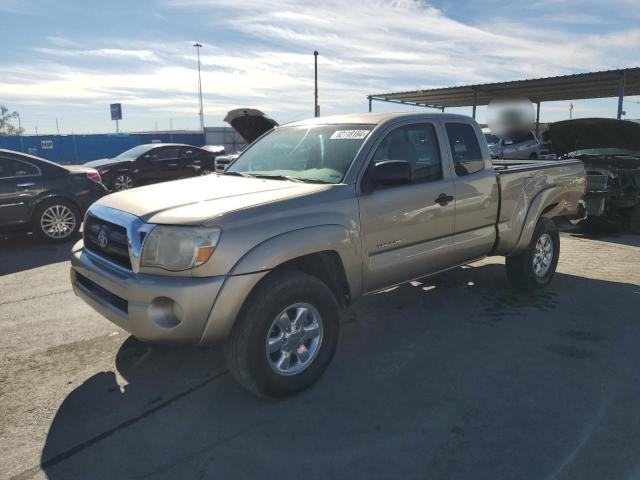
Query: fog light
x=165, y=312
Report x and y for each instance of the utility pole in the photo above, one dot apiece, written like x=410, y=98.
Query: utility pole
x=20, y=132
x=171, y=130
x=57, y=127
x=198, y=47
x=316, y=108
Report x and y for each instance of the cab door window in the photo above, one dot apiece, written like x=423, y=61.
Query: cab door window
x=418, y=145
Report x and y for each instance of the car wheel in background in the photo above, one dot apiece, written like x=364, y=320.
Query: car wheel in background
x=56, y=220
x=285, y=335
x=206, y=171
x=535, y=267
x=122, y=181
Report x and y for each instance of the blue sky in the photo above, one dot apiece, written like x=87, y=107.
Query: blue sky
x=70, y=59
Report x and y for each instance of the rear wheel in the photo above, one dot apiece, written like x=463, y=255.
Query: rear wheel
x=534, y=268
x=56, y=220
x=285, y=336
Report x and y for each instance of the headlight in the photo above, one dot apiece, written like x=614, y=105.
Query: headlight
x=179, y=248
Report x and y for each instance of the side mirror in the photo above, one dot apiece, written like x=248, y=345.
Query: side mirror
x=391, y=172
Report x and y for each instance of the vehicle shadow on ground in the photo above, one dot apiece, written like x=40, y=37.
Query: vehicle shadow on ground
x=19, y=252
x=454, y=376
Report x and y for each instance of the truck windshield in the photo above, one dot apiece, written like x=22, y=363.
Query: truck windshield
x=310, y=153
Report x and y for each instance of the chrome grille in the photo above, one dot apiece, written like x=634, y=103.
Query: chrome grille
x=222, y=164
x=108, y=240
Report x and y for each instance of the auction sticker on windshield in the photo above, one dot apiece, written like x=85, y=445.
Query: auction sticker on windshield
x=349, y=134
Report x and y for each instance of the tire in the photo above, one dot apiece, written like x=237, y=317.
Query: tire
x=281, y=295
x=521, y=269
x=206, y=171
x=56, y=220
x=122, y=181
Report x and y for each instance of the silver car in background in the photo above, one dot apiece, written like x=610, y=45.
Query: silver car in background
x=523, y=147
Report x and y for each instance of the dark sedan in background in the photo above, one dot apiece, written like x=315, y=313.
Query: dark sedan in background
x=43, y=197
x=152, y=163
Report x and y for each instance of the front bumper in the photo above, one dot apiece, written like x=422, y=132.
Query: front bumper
x=160, y=308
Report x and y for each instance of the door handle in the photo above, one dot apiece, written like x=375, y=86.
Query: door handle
x=25, y=185
x=443, y=199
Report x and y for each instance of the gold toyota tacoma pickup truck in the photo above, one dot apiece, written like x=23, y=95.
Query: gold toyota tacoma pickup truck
x=311, y=216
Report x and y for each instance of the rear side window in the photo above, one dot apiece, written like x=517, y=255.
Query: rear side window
x=190, y=152
x=161, y=154
x=6, y=168
x=467, y=157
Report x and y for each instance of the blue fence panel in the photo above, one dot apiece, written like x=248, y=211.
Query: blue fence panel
x=83, y=148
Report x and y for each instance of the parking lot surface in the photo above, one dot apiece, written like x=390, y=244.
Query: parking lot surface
x=456, y=376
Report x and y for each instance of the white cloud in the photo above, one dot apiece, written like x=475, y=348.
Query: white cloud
x=365, y=47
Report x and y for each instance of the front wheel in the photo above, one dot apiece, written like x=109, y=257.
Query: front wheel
x=56, y=220
x=285, y=336
x=534, y=268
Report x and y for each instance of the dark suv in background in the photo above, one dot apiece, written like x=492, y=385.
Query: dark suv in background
x=152, y=163
x=44, y=197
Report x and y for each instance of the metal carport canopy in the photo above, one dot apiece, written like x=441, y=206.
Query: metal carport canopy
x=609, y=83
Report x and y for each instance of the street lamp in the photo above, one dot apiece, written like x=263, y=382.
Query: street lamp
x=198, y=47
x=316, y=107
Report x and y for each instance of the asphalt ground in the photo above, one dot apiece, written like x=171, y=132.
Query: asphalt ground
x=454, y=377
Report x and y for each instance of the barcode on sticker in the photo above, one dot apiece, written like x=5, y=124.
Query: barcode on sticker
x=349, y=134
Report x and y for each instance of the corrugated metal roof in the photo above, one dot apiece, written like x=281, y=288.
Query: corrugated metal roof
x=566, y=87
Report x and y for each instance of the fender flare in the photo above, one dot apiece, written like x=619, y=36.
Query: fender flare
x=542, y=201
x=293, y=244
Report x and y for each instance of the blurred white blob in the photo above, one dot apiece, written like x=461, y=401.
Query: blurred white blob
x=509, y=118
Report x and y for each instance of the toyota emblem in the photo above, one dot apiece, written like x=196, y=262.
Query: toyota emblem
x=103, y=240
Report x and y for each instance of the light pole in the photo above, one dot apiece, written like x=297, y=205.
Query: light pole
x=316, y=108
x=198, y=47
x=570, y=110
x=20, y=133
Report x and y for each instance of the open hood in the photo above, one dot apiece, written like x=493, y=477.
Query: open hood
x=250, y=123
x=593, y=133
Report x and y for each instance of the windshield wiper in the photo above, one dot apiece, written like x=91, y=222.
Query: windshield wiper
x=237, y=174
x=276, y=177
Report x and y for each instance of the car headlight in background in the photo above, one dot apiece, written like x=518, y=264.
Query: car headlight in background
x=176, y=248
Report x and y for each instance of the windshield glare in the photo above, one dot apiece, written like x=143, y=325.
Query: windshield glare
x=135, y=152
x=314, y=153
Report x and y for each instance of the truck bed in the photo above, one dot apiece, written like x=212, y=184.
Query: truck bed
x=558, y=184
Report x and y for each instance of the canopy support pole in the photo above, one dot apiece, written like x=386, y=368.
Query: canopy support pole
x=621, y=94
x=537, y=118
x=475, y=101
x=370, y=102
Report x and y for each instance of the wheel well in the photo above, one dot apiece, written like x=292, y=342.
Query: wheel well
x=53, y=197
x=548, y=208
x=328, y=268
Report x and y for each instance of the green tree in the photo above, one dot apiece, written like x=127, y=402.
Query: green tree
x=6, y=126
